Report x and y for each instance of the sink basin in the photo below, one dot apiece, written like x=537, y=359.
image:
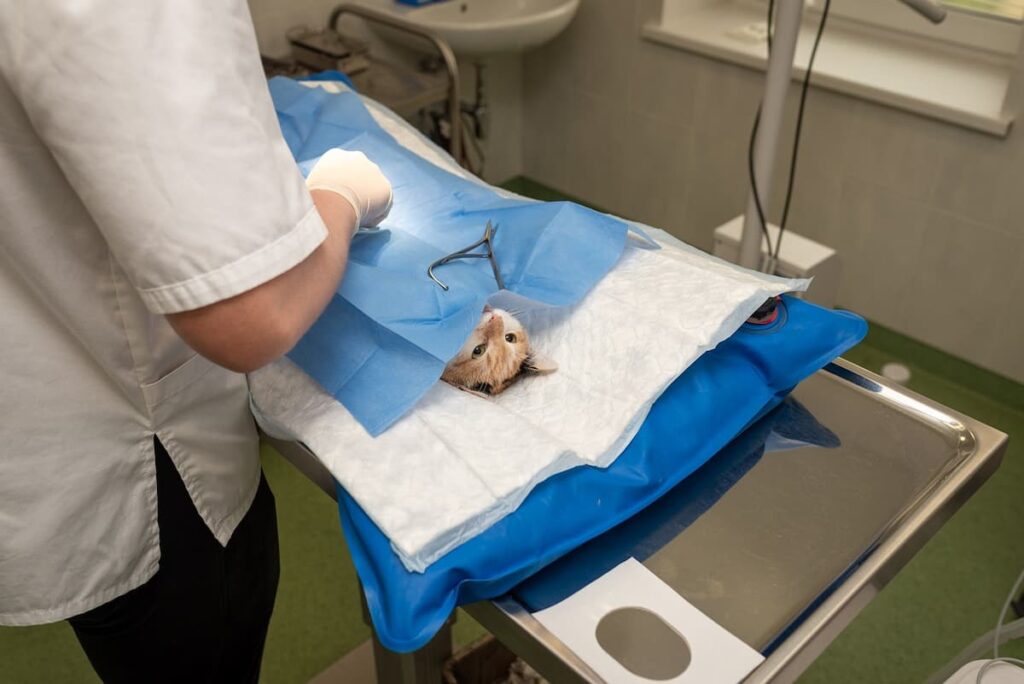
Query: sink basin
x=483, y=27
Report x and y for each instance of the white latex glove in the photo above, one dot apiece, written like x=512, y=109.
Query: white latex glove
x=353, y=176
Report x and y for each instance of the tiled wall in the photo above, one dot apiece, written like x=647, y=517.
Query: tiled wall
x=273, y=17
x=928, y=217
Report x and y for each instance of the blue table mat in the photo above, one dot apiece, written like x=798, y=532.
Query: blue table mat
x=715, y=400
x=787, y=426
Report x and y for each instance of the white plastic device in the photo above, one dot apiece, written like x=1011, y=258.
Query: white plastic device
x=800, y=257
x=663, y=638
x=968, y=674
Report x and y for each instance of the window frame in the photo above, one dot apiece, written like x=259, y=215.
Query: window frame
x=906, y=64
x=987, y=35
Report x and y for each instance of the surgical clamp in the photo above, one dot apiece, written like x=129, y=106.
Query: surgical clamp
x=467, y=253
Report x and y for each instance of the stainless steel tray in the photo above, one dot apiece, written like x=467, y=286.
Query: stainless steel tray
x=806, y=538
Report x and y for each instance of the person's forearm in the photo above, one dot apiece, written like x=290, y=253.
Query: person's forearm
x=310, y=285
x=246, y=332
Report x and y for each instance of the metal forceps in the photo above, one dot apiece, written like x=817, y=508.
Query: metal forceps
x=468, y=253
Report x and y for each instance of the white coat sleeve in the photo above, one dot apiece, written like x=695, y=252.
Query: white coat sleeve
x=160, y=118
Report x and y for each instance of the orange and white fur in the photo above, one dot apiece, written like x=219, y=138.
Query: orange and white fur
x=497, y=353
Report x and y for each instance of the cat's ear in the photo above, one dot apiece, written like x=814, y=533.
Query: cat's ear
x=539, y=363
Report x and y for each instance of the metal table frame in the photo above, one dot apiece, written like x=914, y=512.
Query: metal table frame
x=444, y=51
x=514, y=626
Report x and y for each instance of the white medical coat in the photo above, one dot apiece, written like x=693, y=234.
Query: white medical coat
x=142, y=172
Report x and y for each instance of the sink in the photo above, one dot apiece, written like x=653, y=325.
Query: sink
x=482, y=27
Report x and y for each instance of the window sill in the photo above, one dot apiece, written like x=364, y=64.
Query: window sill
x=934, y=80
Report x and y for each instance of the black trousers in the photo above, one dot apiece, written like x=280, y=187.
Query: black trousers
x=203, y=617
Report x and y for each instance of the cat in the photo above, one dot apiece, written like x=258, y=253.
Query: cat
x=495, y=355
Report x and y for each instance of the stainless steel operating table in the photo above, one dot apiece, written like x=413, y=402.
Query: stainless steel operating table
x=793, y=549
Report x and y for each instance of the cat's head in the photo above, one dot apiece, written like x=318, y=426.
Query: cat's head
x=495, y=354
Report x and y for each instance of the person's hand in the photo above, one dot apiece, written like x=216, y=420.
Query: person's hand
x=358, y=180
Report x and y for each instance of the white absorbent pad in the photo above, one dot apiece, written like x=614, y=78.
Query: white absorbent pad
x=459, y=462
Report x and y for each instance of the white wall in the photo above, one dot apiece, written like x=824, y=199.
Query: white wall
x=503, y=76
x=273, y=17
x=928, y=217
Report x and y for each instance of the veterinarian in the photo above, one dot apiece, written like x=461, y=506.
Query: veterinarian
x=157, y=242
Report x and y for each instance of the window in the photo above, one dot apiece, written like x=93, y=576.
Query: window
x=987, y=27
x=958, y=71
x=1002, y=9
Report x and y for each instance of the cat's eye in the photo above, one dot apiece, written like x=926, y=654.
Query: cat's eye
x=478, y=350
x=511, y=337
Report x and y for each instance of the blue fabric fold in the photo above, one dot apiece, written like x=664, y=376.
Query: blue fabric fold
x=788, y=426
x=389, y=330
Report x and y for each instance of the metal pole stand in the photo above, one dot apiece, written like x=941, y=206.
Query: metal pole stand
x=773, y=105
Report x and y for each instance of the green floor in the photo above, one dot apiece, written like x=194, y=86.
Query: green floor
x=948, y=594
x=953, y=589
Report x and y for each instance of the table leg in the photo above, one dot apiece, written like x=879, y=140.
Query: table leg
x=423, y=666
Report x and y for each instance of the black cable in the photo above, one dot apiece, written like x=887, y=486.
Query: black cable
x=799, y=126
x=753, y=180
